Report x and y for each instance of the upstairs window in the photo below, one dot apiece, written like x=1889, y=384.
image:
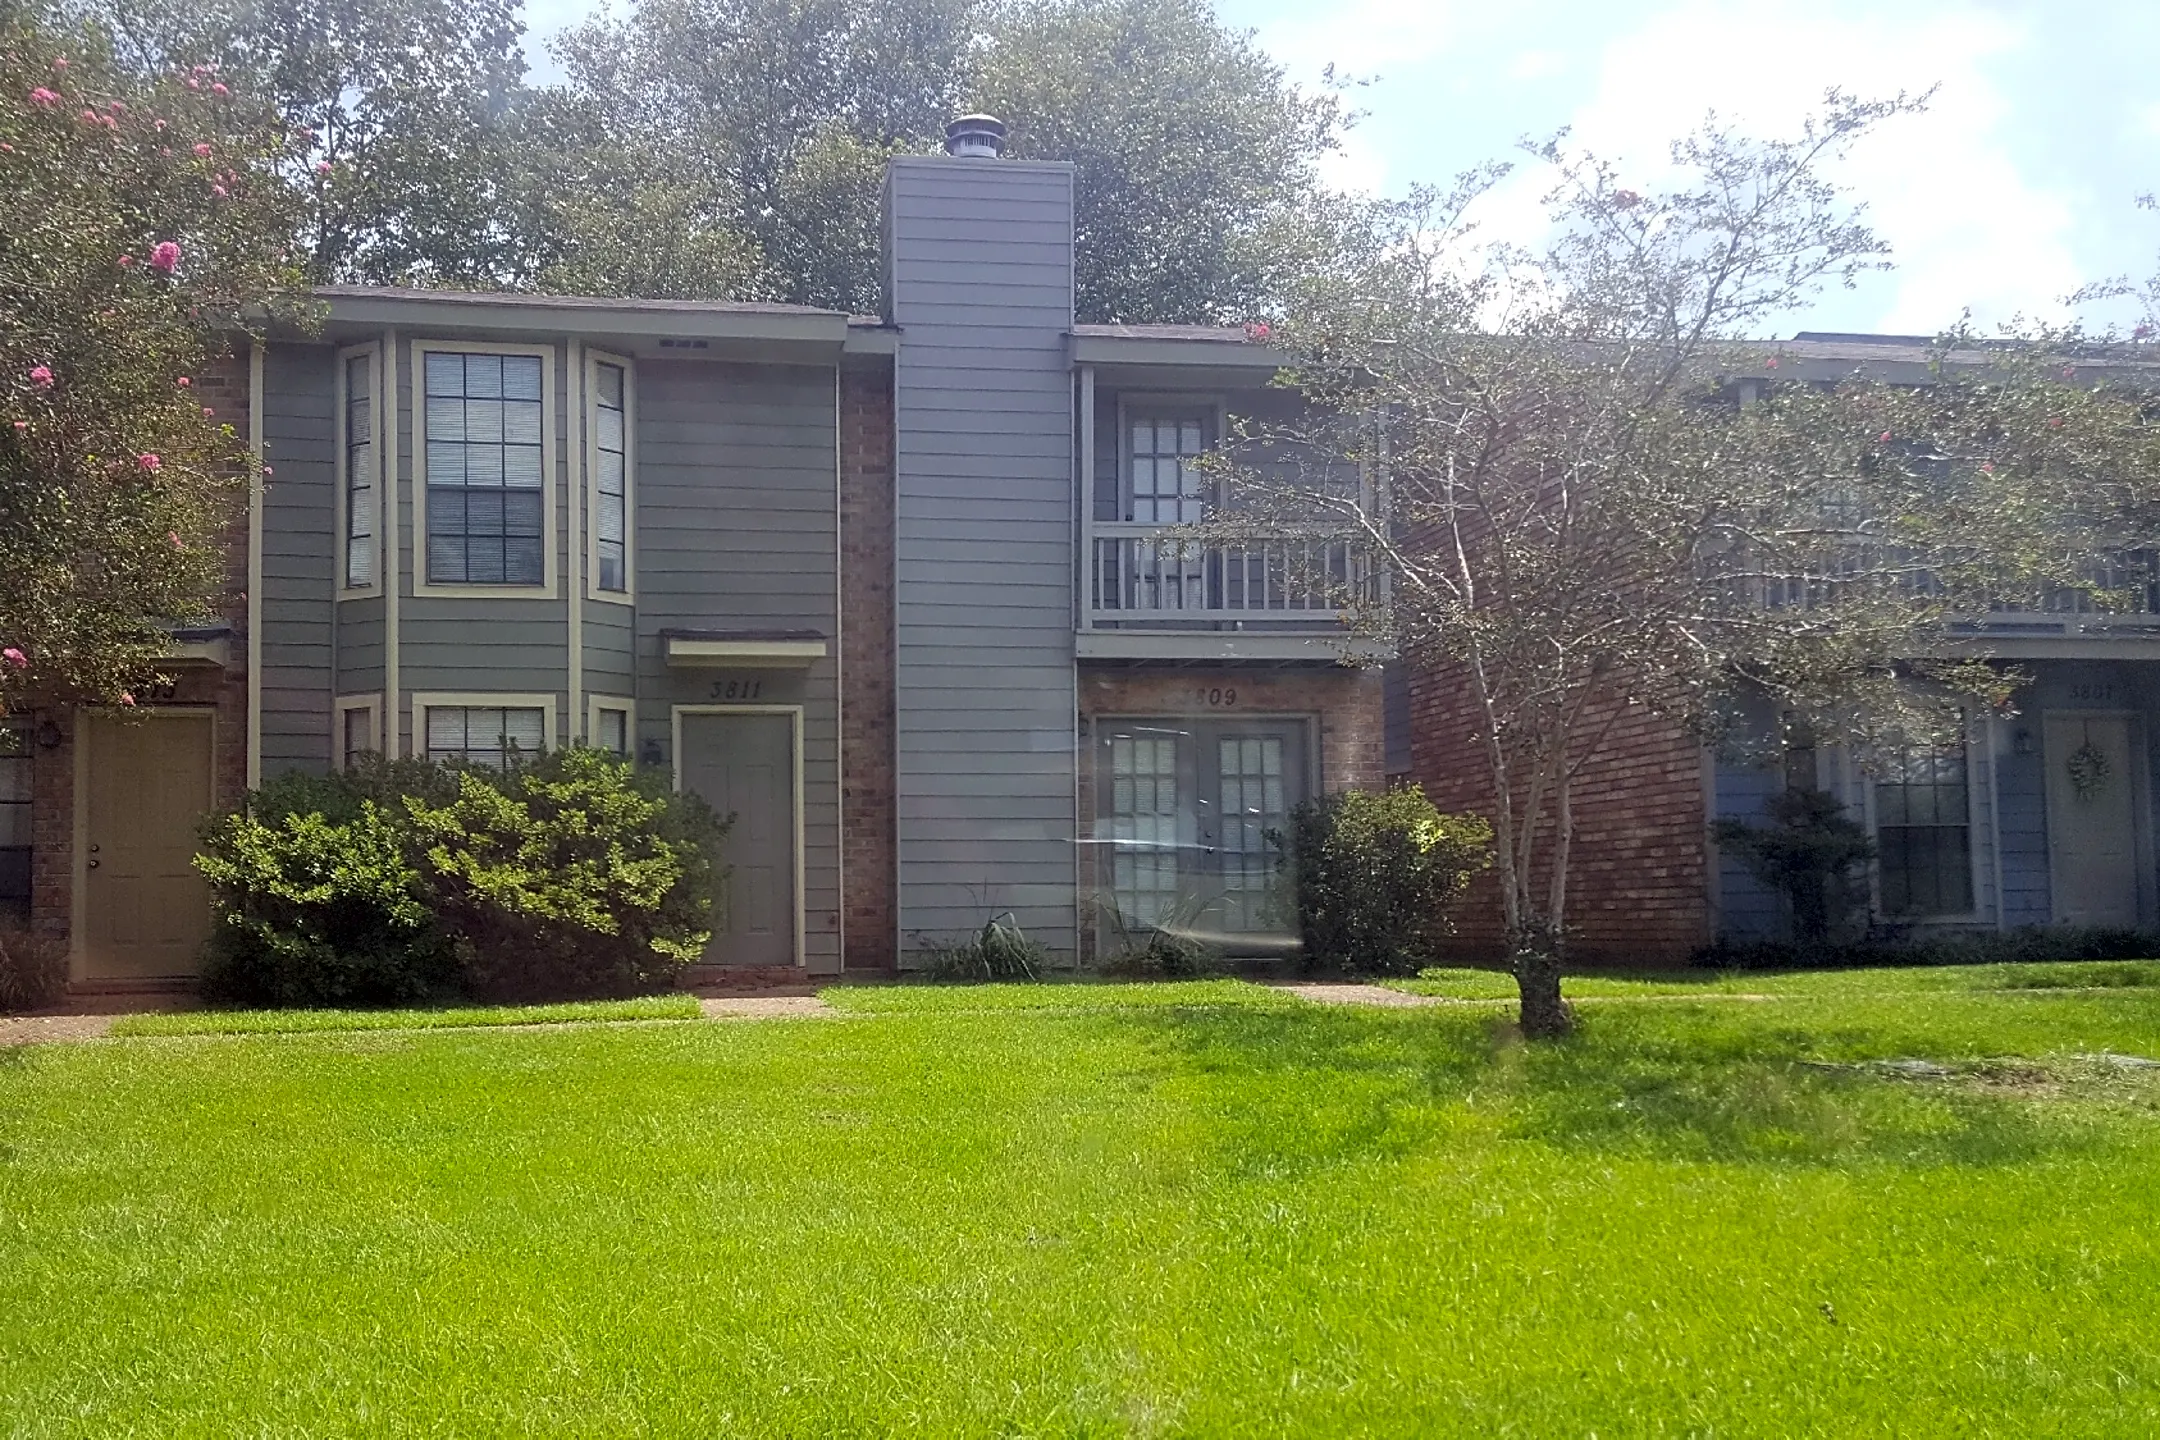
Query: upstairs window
x=360, y=492
x=1923, y=830
x=486, y=470
x=611, y=479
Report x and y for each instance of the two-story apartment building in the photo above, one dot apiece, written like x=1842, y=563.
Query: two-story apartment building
x=890, y=590
x=2041, y=817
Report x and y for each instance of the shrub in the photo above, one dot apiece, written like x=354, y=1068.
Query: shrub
x=2025, y=946
x=1810, y=853
x=396, y=882
x=998, y=951
x=1375, y=875
x=573, y=874
x=33, y=969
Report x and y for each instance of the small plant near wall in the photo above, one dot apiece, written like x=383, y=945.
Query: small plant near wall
x=1375, y=875
x=33, y=969
x=1001, y=950
x=567, y=875
x=1811, y=853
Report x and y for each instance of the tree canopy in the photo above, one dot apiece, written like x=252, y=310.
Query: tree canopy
x=142, y=225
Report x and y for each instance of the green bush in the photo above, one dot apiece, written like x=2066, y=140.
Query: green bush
x=1811, y=852
x=1001, y=950
x=401, y=882
x=2028, y=945
x=1374, y=876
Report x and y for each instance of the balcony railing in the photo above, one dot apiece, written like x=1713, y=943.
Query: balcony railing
x=1142, y=575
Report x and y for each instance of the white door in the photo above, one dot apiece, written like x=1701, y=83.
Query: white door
x=2092, y=777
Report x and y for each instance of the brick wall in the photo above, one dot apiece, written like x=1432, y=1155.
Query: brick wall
x=866, y=671
x=223, y=385
x=1638, y=884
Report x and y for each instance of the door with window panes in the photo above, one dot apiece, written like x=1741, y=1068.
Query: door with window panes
x=1186, y=814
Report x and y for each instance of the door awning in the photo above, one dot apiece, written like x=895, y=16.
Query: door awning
x=743, y=649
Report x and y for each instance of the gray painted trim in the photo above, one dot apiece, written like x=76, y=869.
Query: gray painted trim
x=1329, y=648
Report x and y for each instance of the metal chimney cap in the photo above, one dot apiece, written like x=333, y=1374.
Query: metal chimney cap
x=976, y=136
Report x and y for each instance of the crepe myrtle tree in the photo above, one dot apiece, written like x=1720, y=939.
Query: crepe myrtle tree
x=141, y=227
x=1588, y=518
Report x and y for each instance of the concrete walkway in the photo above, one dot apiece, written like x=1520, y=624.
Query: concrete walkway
x=1342, y=992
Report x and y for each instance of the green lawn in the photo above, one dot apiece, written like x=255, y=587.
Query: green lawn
x=1205, y=1210
x=277, y=1022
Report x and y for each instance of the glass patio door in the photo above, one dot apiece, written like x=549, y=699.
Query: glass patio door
x=1185, y=809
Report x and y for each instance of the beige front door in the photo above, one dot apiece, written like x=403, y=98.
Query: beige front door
x=145, y=910
x=2093, y=815
x=743, y=763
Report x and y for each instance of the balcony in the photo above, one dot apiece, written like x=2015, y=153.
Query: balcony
x=1154, y=592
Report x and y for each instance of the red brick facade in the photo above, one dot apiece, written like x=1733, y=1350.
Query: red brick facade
x=868, y=859
x=195, y=686
x=1638, y=884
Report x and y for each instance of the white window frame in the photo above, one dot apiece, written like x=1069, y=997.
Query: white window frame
x=551, y=473
x=384, y=470
x=424, y=700
x=594, y=359
x=596, y=705
x=346, y=704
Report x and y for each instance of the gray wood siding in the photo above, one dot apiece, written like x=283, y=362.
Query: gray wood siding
x=738, y=529
x=299, y=549
x=981, y=287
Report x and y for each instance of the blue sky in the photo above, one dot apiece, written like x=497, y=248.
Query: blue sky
x=2016, y=187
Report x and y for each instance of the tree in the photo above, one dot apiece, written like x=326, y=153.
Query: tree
x=141, y=226
x=1590, y=519
x=408, y=109
x=1196, y=160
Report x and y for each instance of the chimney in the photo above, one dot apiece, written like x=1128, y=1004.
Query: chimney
x=980, y=137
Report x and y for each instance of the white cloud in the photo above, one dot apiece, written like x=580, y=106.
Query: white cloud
x=1361, y=37
x=1966, y=226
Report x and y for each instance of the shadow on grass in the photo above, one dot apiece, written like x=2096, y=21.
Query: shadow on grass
x=1313, y=1088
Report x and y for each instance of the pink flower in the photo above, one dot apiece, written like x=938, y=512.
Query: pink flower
x=161, y=125
x=6, y=148
x=150, y=463
x=219, y=191
x=59, y=62
x=207, y=412
x=127, y=697
x=2141, y=332
x=174, y=536
x=165, y=255
x=322, y=167
x=15, y=658
x=43, y=96
x=1258, y=331
x=1626, y=199
x=1771, y=363
x=193, y=83
x=1987, y=467
x=41, y=376
x=2054, y=422
x=126, y=261
x=2069, y=372
x=268, y=472
x=22, y=425
x=90, y=116
x=183, y=382
x=202, y=148
x=165, y=150
x=219, y=90
x=1883, y=439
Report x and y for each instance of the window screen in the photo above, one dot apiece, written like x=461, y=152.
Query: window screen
x=485, y=470
x=611, y=480
x=1923, y=830
x=484, y=734
x=360, y=470
x=359, y=737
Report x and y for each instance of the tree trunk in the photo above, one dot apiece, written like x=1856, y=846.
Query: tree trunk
x=1545, y=1016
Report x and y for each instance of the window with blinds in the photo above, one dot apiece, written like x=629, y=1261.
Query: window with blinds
x=611, y=479
x=360, y=503
x=484, y=734
x=485, y=470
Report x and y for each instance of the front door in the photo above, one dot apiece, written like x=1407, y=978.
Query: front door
x=146, y=910
x=743, y=764
x=2092, y=809
x=1187, y=811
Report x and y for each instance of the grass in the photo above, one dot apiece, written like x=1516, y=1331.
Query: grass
x=1456, y=984
x=1201, y=1209
x=297, y=1022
